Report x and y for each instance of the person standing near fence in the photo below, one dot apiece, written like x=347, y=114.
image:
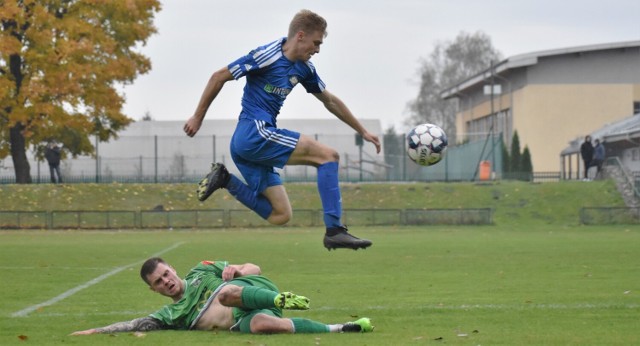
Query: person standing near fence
x=52, y=154
x=598, y=157
x=586, y=151
x=258, y=146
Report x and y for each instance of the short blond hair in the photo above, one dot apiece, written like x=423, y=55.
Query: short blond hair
x=308, y=22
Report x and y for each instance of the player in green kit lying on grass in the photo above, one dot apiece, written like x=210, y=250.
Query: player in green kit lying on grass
x=217, y=295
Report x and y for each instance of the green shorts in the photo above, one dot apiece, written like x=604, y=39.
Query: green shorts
x=242, y=316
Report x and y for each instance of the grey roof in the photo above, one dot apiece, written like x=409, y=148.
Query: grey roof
x=529, y=59
x=623, y=129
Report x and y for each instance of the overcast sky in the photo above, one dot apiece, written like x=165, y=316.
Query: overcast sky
x=372, y=52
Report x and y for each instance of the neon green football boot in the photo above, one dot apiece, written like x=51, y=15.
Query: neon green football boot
x=362, y=325
x=291, y=301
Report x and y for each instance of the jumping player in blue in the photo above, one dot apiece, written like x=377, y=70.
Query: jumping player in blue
x=257, y=145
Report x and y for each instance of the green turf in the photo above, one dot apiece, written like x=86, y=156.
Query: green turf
x=488, y=285
x=534, y=277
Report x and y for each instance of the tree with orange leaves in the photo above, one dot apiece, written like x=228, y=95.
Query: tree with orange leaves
x=60, y=64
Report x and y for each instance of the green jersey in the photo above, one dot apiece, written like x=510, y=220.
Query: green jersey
x=200, y=284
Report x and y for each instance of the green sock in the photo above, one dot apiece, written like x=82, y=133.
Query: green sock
x=303, y=325
x=257, y=298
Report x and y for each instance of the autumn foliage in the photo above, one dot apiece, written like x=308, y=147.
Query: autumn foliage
x=61, y=62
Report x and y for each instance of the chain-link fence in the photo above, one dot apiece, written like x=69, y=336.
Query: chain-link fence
x=610, y=216
x=170, y=159
x=219, y=218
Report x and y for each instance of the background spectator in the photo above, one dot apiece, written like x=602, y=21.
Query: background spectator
x=52, y=154
x=586, y=151
x=598, y=157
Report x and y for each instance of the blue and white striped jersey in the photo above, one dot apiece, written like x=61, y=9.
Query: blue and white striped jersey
x=270, y=78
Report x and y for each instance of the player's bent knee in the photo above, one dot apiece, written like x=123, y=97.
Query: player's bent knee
x=281, y=214
x=279, y=219
x=335, y=156
x=330, y=155
x=230, y=295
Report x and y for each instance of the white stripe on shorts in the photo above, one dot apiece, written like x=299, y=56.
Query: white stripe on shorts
x=275, y=137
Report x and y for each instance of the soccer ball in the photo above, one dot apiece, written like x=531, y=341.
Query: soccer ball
x=426, y=144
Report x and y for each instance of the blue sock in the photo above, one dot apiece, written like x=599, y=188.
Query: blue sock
x=330, y=194
x=248, y=197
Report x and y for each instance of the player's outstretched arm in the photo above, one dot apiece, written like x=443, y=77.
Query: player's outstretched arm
x=215, y=84
x=338, y=108
x=143, y=324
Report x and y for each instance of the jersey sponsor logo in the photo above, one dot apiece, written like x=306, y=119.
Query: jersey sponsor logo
x=196, y=282
x=247, y=67
x=282, y=92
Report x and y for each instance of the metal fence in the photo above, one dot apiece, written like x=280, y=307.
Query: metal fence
x=219, y=218
x=171, y=159
x=619, y=172
x=610, y=216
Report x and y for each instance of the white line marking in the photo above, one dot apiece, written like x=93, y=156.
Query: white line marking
x=52, y=267
x=24, y=312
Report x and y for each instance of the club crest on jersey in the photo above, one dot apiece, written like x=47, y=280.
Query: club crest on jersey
x=293, y=80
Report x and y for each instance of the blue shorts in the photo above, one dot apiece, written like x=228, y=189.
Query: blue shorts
x=257, y=148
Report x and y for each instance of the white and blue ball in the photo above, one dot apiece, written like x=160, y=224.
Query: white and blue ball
x=426, y=144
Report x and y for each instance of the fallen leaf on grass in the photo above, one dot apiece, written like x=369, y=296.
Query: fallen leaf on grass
x=23, y=337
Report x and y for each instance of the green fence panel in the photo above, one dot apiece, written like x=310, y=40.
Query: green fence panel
x=245, y=218
x=24, y=220
x=211, y=218
x=218, y=218
x=610, y=216
x=366, y=217
x=448, y=216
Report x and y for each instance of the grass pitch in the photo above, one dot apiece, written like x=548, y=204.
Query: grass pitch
x=489, y=285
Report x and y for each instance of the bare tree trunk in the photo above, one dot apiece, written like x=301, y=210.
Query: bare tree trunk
x=18, y=149
x=19, y=155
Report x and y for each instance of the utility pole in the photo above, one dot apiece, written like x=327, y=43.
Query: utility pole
x=493, y=148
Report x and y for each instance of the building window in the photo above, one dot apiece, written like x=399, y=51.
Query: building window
x=502, y=125
x=636, y=107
